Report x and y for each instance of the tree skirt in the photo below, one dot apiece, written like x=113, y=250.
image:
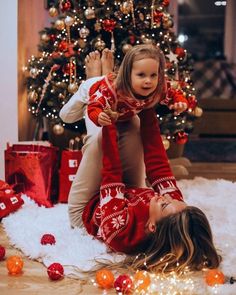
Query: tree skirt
x=80, y=254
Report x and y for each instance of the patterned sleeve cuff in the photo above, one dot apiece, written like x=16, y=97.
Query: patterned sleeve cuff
x=167, y=185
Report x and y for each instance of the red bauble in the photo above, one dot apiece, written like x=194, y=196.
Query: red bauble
x=214, y=277
x=2, y=252
x=55, y=271
x=65, y=6
x=52, y=37
x=157, y=16
x=123, y=284
x=108, y=25
x=181, y=137
x=48, y=239
x=180, y=52
x=63, y=46
x=166, y=2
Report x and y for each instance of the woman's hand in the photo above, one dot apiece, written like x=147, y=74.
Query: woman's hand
x=104, y=119
x=178, y=107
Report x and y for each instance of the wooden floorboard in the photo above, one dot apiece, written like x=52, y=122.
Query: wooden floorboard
x=34, y=279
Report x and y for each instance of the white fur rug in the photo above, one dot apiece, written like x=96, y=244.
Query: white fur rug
x=79, y=253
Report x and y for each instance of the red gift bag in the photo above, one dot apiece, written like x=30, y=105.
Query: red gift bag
x=32, y=168
x=70, y=161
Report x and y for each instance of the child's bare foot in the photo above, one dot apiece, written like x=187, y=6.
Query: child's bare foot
x=107, y=61
x=93, y=65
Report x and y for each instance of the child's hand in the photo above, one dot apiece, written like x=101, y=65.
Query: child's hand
x=178, y=107
x=104, y=119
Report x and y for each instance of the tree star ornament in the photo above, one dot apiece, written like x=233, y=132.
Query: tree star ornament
x=172, y=57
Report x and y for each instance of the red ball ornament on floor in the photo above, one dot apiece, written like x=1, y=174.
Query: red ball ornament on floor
x=214, y=277
x=15, y=265
x=2, y=252
x=105, y=278
x=55, y=271
x=123, y=284
x=48, y=239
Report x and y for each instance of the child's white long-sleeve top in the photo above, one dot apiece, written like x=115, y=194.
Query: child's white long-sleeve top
x=76, y=108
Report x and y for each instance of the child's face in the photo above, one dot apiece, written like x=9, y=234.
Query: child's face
x=144, y=76
x=163, y=206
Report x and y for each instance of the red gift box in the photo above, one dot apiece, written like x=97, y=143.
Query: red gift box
x=32, y=169
x=70, y=161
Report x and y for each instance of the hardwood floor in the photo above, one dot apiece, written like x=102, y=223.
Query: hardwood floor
x=34, y=279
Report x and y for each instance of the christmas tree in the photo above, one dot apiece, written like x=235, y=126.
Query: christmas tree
x=79, y=27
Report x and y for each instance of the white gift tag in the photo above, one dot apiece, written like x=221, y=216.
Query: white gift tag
x=73, y=163
x=71, y=177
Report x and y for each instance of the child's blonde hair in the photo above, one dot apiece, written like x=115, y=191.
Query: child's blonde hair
x=180, y=240
x=138, y=52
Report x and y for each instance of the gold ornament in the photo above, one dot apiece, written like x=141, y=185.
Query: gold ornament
x=61, y=96
x=126, y=7
x=147, y=40
x=58, y=129
x=73, y=87
x=126, y=48
x=59, y=25
x=69, y=21
x=53, y=12
x=99, y=44
x=33, y=72
x=32, y=97
x=45, y=37
x=84, y=32
x=198, y=112
x=81, y=43
x=89, y=13
x=97, y=27
x=102, y=2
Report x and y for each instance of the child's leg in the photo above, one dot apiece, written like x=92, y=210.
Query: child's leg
x=87, y=181
x=131, y=153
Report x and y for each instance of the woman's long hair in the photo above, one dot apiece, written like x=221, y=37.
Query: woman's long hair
x=181, y=240
x=138, y=52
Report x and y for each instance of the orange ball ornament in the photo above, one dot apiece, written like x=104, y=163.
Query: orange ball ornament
x=105, y=278
x=214, y=277
x=15, y=265
x=142, y=281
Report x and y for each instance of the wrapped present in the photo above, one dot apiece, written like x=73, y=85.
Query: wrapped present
x=32, y=168
x=9, y=200
x=70, y=160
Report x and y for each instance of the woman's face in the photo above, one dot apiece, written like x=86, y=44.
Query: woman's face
x=163, y=206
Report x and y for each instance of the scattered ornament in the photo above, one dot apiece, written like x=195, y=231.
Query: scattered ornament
x=65, y=6
x=214, y=277
x=55, y=271
x=45, y=37
x=32, y=97
x=126, y=48
x=180, y=52
x=181, y=137
x=123, y=284
x=108, y=25
x=33, y=72
x=48, y=239
x=105, y=278
x=198, y=112
x=15, y=265
x=126, y=7
x=142, y=281
x=99, y=44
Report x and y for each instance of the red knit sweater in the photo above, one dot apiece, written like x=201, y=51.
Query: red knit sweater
x=118, y=216
x=103, y=96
